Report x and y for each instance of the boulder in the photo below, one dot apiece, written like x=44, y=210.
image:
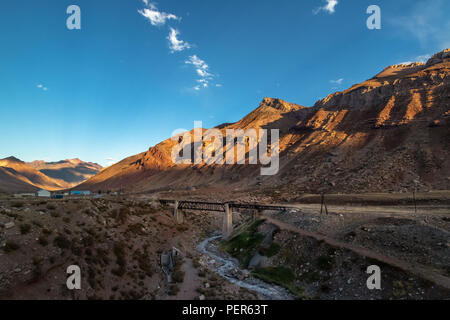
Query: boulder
x=9, y=225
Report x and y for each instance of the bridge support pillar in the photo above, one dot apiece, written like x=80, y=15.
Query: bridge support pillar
x=227, y=222
x=178, y=213
x=256, y=214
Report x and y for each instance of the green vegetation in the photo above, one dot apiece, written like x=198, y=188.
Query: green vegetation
x=244, y=245
x=281, y=276
x=400, y=289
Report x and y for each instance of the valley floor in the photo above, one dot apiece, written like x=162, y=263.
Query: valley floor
x=118, y=242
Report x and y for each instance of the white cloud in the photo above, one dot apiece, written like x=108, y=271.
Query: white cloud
x=219, y=85
x=176, y=44
x=197, y=62
x=110, y=161
x=42, y=87
x=423, y=59
x=338, y=81
x=202, y=69
x=157, y=18
x=329, y=7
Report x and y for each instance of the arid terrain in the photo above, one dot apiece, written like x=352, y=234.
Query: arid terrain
x=298, y=254
x=364, y=174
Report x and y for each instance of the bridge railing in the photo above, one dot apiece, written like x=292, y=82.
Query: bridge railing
x=220, y=206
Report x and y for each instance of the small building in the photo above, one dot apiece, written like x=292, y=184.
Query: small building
x=43, y=194
x=80, y=193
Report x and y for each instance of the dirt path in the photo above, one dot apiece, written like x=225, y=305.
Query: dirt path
x=414, y=269
x=440, y=210
x=190, y=284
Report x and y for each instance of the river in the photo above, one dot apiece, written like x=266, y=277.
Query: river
x=228, y=267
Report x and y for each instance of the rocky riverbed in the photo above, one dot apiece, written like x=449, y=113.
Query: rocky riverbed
x=228, y=268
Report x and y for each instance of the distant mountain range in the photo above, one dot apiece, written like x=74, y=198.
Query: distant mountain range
x=389, y=133
x=19, y=176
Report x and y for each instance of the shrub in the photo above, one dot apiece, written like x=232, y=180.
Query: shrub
x=55, y=214
x=325, y=263
x=173, y=290
x=244, y=245
x=25, y=228
x=10, y=246
x=37, y=223
x=61, y=242
x=119, y=251
x=281, y=276
x=43, y=241
x=17, y=204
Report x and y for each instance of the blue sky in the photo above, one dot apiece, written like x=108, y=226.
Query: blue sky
x=137, y=71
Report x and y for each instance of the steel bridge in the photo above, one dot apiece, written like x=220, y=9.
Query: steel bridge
x=220, y=206
x=225, y=207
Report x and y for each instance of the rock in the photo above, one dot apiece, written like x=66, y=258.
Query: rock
x=17, y=270
x=9, y=225
x=202, y=297
x=255, y=261
x=207, y=285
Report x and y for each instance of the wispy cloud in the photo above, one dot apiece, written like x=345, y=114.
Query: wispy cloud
x=202, y=69
x=423, y=58
x=156, y=17
x=110, y=161
x=160, y=18
x=329, y=7
x=176, y=44
x=42, y=87
x=427, y=21
x=338, y=81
